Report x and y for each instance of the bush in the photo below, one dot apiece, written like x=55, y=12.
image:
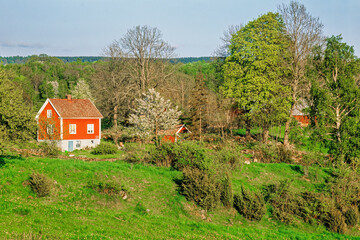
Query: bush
x=183, y=154
x=249, y=204
x=335, y=221
x=273, y=153
x=49, y=149
x=351, y=217
x=40, y=184
x=104, y=148
x=226, y=196
x=200, y=187
x=109, y=188
x=283, y=202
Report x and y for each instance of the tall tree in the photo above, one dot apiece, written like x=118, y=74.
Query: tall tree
x=198, y=106
x=152, y=114
x=304, y=33
x=148, y=52
x=113, y=87
x=336, y=94
x=255, y=71
x=17, y=121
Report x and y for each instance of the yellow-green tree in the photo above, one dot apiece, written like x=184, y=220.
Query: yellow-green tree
x=256, y=69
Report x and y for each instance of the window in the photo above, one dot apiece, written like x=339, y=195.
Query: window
x=50, y=129
x=72, y=128
x=78, y=144
x=90, y=128
x=49, y=114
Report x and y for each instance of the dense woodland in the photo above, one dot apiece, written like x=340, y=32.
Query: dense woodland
x=245, y=95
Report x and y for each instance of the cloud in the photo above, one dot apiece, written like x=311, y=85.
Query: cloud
x=22, y=45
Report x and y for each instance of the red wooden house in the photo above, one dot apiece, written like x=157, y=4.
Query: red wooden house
x=73, y=123
x=173, y=135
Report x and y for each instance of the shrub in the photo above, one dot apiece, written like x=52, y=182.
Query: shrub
x=273, y=153
x=104, y=148
x=109, y=188
x=226, y=196
x=183, y=154
x=283, y=202
x=49, y=149
x=40, y=184
x=200, y=187
x=250, y=204
x=335, y=221
x=351, y=217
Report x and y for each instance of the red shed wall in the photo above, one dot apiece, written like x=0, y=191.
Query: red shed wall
x=81, y=129
x=44, y=122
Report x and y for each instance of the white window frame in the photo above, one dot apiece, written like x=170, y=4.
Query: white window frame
x=90, y=128
x=49, y=113
x=72, y=128
x=50, y=129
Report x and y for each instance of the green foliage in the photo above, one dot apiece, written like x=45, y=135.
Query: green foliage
x=106, y=187
x=254, y=71
x=201, y=187
x=282, y=200
x=351, y=217
x=16, y=117
x=335, y=96
x=273, y=153
x=49, y=149
x=40, y=184
x=183, y=154
x=104, y=148
x=335, y=221
x=226, y=197
x=250, y=204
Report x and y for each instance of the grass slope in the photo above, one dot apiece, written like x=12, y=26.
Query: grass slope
x=154, y=209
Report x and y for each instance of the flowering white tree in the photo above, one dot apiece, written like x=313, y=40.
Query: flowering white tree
x=153, y=114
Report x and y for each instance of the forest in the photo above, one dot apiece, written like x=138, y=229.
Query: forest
x=247, y=165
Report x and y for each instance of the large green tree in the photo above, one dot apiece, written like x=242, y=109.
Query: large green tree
x=255, y=71
x=336, y=97
x=16, y=117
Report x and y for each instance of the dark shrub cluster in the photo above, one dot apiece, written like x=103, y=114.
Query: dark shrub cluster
x=250, y=204
x=40, y=184
x=200, y=187
x=104, y=148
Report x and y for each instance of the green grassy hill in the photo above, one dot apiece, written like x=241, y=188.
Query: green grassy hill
x=153, y=208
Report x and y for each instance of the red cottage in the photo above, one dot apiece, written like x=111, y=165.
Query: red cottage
x=73, y=123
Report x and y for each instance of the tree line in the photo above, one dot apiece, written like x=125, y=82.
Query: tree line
x=263, y=70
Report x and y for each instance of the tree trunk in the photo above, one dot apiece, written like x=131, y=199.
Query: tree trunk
x=248, y=128
x=265, y=133
x=287, y=126
x=115, y=118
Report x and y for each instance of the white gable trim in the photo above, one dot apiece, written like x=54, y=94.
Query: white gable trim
x=43, y=106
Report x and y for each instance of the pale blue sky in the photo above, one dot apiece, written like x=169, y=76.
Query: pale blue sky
x=194, y=27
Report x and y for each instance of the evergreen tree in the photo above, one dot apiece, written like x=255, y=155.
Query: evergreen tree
x=198, y=106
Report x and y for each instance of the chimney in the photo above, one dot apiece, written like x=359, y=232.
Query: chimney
x=68, y=97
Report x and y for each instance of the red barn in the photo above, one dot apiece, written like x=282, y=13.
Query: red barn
x=73, y=123
x=299, y=115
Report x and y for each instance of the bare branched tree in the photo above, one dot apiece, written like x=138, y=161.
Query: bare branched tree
x=305, y=32
x=113, y=87
x=148, y=52
x=223, y=49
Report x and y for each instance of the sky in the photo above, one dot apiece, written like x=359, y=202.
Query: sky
x=193, y=27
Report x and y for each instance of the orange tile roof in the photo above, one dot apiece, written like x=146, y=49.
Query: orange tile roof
x=76, y=108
